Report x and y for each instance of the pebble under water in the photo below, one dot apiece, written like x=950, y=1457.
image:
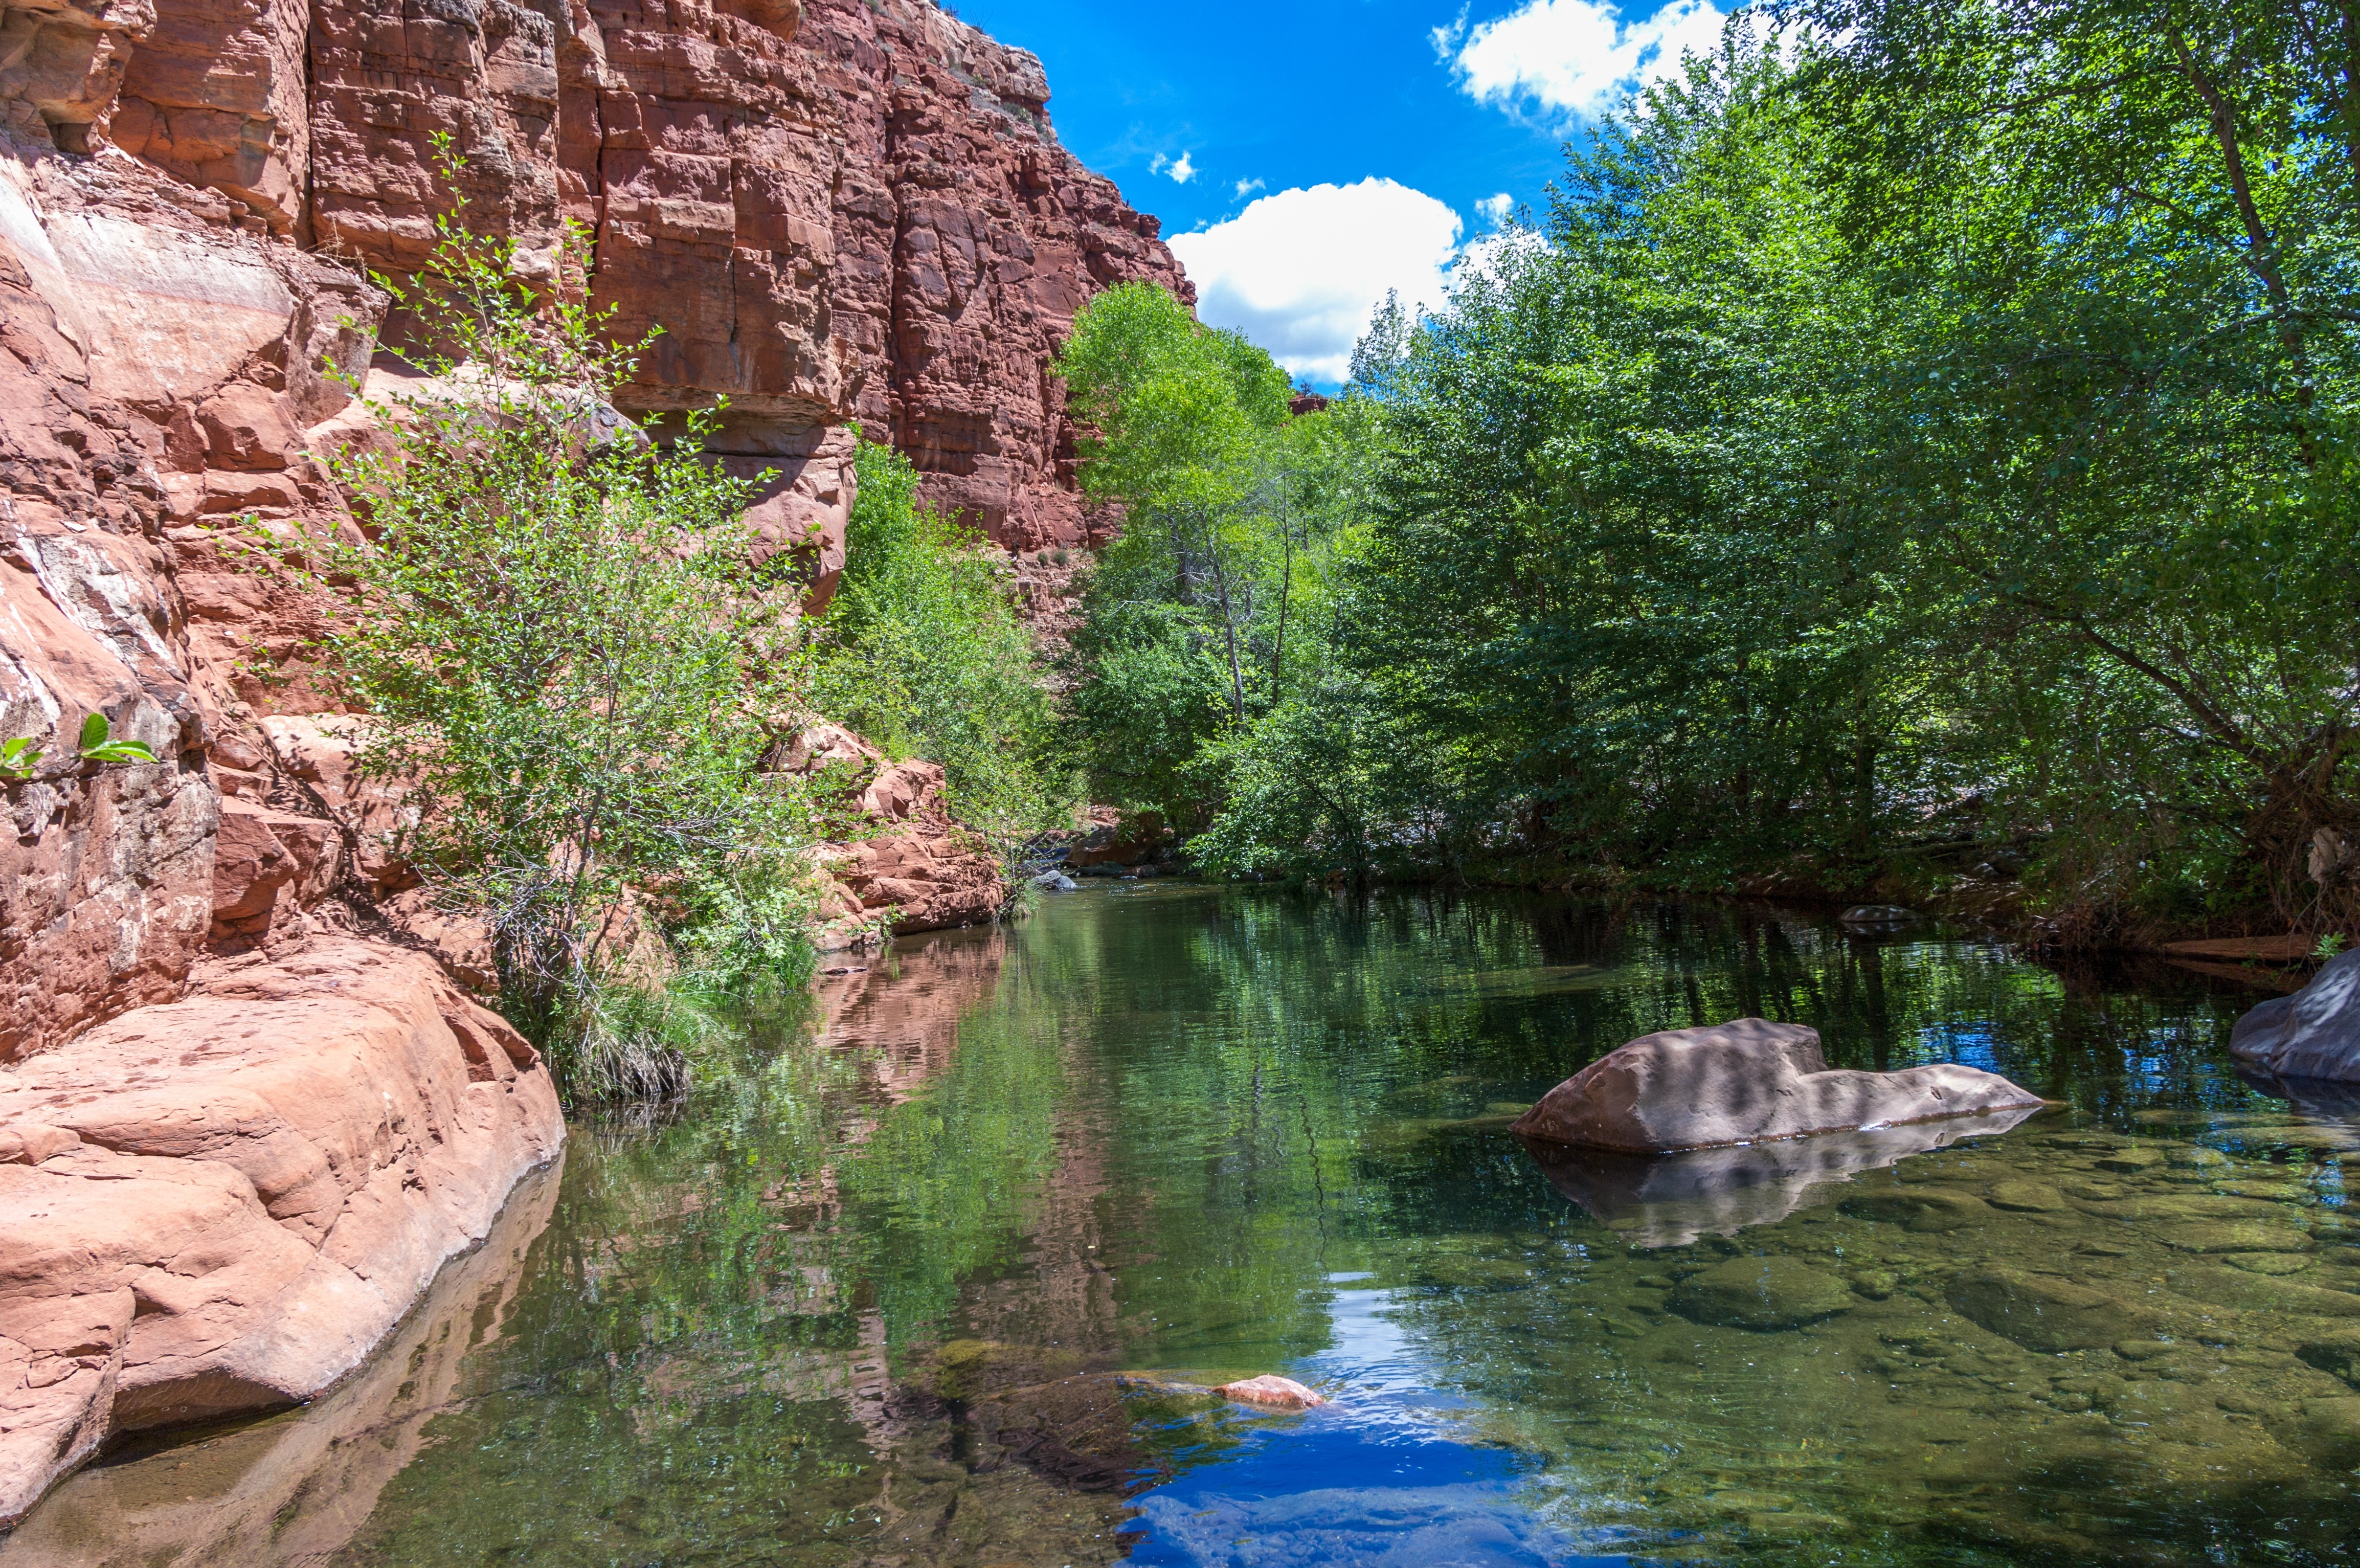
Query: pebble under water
x=938, y=1276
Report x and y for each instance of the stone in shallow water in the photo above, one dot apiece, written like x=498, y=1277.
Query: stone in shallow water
x=1760, y=1293
x=1278, y=1393
x=2329, y=1432
x=2272, y=1263
x=1922, y=1210
x=2046, y=1314
x=2315, y=1032
x=2338, y=1352
x=2267, y=1191
x=2027, y=1198
x=2237, y=1235
x=2130, y=1162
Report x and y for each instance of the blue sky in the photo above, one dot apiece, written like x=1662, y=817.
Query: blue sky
x=1333, y=148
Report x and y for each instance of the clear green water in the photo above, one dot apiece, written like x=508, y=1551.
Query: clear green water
x=929, y=1288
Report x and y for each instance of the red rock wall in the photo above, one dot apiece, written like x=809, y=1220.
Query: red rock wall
x=848, y=210
x=858, y=213
x=855, y=211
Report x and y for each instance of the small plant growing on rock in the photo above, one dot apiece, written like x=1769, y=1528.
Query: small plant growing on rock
x=97, y=744
x=18, y=759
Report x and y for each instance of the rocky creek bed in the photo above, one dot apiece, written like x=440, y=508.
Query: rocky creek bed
x=938, y=1278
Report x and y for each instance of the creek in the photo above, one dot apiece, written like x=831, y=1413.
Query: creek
x=934, y=1279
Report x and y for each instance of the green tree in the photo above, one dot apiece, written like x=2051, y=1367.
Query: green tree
x=2125, y=235
x=921, y=650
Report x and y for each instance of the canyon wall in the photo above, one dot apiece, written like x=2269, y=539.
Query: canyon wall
x=837, y=212
x=847, y=211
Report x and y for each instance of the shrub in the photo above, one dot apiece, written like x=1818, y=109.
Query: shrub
x=564, y=654
x=921, y=652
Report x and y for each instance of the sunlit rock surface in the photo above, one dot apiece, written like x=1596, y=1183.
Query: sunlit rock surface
x=1749, y=1081
x=222, y=1204
x=294, y=1488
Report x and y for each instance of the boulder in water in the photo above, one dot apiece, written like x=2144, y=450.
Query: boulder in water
x=2049, y=1314
x=1749, y=1081
x=2313, y=1034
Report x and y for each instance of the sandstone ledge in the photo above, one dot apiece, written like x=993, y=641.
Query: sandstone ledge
x=226, y=1202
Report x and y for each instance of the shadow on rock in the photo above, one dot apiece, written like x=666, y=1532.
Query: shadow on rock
x=1660, y=1201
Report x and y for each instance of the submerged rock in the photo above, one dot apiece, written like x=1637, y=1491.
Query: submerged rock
x=1760, y=1293
x=2314, y=1034
x=2338, y=1352
x=1281, y=1393
x=2042, y=1312
x=1750, y=1081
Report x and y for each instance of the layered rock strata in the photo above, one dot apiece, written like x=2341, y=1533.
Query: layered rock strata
x=224, y=1202
x=916, y=868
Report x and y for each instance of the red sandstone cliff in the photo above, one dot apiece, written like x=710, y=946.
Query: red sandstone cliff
x=848, y=210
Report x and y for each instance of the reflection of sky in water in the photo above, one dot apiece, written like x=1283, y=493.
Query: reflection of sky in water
x=1969, y=1044
x=1382, y=1476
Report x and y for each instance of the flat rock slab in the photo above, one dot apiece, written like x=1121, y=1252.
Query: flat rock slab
x=2045, y=1313
x=2237, y=1235
x=225, y=1203
x=1751, y=1081
x=1272, y=1390
x=1760, y=1293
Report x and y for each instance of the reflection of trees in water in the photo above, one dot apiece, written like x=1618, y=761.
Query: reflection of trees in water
x=1141, y=1131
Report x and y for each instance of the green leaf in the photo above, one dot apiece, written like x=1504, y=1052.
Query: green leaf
x=94, y=731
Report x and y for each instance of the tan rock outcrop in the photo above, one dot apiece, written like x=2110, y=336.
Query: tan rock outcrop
x=224, y=1202
x=294, y=1491
x=916, y=868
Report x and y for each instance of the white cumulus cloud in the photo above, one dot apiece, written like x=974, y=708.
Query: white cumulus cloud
x=1496, y=209
x=1247, y=187
x=1300, y=271
x=1574, y=57
x=1182, y=172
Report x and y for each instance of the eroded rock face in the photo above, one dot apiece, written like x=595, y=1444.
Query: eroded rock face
x=1749, y=1081
x=846, y=210
x=224, y=1202
x=835, y=211
x=2314, y=1034
x=917, y=869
